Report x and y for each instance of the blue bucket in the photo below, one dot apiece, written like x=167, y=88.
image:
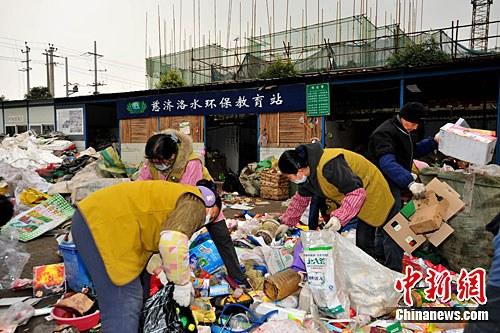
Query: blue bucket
x=77, y=276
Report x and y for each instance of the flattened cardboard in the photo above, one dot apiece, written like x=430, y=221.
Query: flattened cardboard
x=445, y=191
x=399, y=230
x=437, y=237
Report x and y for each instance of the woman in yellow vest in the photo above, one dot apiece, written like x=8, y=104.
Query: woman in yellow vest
x=348, y=179
x=116, y=231
x=170, y=156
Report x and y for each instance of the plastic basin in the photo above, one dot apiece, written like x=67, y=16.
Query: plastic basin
x=84, y=323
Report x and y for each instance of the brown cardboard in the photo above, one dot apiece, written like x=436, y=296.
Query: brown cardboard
x=440, y=205
x=429, y=218
x=437, y=237
x=399, y=230
x=445, y=191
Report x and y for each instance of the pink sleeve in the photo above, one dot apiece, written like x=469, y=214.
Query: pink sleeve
x=144, y=173
x=297, y=206
x=350, y=206
x=193, y=173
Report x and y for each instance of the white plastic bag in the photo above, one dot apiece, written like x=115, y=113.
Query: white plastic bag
x=319, y=258
x=13, y=258
x=368, y=284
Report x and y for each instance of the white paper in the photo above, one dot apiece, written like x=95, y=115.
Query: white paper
x=70, y=121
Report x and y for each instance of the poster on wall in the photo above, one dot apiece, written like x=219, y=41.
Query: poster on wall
x=70, y=121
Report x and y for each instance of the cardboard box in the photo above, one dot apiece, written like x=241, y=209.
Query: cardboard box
x=437, y=237
x=445, y=191
x=465, y=144
x=429, y=213
x=439, y=206
x=427, y=219
x=399, y=230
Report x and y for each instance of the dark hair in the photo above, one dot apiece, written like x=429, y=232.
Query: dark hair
x=161, y=146
x=292, y=160
x=212, y=187
x=6, y=210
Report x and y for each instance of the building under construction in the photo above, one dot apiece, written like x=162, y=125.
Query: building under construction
x=344, y=44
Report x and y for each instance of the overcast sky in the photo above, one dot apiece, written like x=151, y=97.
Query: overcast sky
x=119, y=27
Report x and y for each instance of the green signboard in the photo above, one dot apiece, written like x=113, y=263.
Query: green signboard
x=318, y=100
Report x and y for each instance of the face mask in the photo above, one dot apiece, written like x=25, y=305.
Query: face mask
x=207, y=219
x=300, y=181
x=162, y=166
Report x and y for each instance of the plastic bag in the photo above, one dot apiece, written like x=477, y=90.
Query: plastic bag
x=162, y=314
x=13, y=258
x=369, y=285
x=321, y=268
x=17, y=314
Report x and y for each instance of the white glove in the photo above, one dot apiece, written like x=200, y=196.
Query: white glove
x=417, y=189
x=281, y=231
x=182, y=294
x=333, y=224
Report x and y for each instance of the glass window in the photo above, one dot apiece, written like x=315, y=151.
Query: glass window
x=47, y=129
x=10, y=130
x=21, y=128
x=37, y=129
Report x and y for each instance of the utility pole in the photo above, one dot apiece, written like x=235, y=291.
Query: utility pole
x=49, y=57
x=28, y=68
x=95, y=54
x=75, y=85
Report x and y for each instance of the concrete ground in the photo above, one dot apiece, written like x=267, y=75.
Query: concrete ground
x=43, y=251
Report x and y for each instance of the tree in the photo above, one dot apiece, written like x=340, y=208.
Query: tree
x=279, y=69
x=2, y=98
x=171, y=79
x=38, y=93
x=421, y=54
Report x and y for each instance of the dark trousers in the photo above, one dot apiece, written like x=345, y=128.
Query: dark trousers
x=120, y=306
x=493, y=308
x=318, y=204
x=222, y=239
x=393, y=253
x=378, y=244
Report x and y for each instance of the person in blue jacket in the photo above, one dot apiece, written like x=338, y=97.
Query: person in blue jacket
x=492, y=288
x=392, y=149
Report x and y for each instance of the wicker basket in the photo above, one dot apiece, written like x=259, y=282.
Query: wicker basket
x=273, y=185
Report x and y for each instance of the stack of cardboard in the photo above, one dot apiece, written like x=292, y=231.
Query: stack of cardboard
x=426, y=219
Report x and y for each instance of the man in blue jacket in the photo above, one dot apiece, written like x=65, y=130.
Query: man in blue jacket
x=392, y=148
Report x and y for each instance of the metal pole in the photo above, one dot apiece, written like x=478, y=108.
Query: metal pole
x=66, y=70
x=497, y=158
x=28, y=67
x=401, y=93
x=95, y=68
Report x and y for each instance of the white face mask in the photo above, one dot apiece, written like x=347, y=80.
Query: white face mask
x=300, y=181
x=207, y=219
x=162, y=166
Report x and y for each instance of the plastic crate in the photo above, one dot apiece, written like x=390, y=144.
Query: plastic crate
x=77, y=276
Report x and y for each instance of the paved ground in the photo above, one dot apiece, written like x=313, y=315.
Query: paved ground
x=43, y=251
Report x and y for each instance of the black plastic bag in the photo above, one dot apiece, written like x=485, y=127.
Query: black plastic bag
x=162, y=314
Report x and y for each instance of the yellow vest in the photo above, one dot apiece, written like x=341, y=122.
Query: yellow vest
x=379, y=199
x=176, y=176
x=125, y=221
